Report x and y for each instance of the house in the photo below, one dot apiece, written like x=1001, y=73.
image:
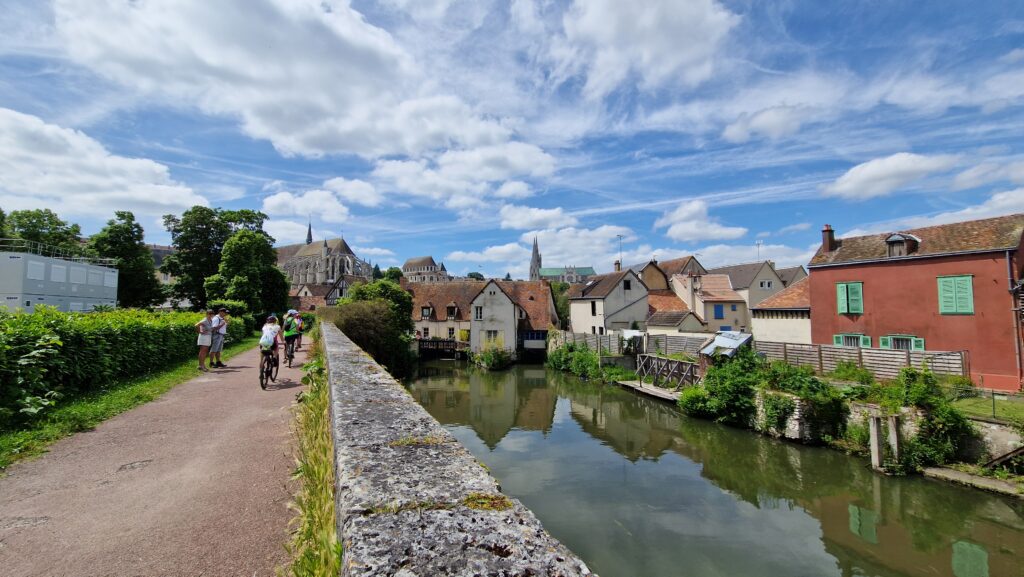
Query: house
x=669, y=314
x=712, y=299
x=784, y=317
x=567, y=274
x=754, y=281
x=443, y=310
x=948, y=287
x=513, y=315
x=791, y=274
x=607, y=302
x=310, y=297
x=424, y=269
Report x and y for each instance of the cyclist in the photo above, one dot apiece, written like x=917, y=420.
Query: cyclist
x=271, y=338
x=291, y=331
x=302, y=329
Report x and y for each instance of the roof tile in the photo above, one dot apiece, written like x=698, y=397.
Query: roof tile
x=795, y=296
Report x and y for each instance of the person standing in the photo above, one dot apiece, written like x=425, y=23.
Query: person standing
x=220, y=331
x=205, y=330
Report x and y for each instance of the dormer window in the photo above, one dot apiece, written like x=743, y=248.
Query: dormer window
x=425, y=312
x=452, y=310
x=900, y=244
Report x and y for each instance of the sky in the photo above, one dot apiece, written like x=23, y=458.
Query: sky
x=730, y=129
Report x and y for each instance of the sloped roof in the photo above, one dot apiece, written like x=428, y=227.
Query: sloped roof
x=419, y=261
x=715, y=287
x=599, y=286
x=796, y=296
x=665, y=301
x=317, y=290
x=741, y=275
x=789, y=274
x=560, y=270
x=666, y=318
x=334, y=246
x=287, y=251
x=439, y=295
x=675, y=266
x=990, y=234
x=535, y=298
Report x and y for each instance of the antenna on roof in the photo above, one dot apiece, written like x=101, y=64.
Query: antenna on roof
x=759, y=243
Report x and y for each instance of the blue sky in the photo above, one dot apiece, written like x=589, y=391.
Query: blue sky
x=463, y=129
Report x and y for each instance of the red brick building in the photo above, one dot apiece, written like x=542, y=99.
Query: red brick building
x=940, y=288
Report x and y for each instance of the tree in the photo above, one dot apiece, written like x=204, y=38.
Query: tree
x=393, y=274
x=561, y=292
x=378, y=317
x=122, y=240
x=475, y=275
x=44, y=226
x=248, y=272
x=198, y=238
x=3, y=224
x=377, y=275
x=508, y=276
x=398, y=299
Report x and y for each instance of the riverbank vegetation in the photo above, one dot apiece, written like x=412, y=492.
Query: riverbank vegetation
x=80, y=412
x=378, y=318
x=585, y=363
x=50, y=357
x=314, y=545
x=494, y=356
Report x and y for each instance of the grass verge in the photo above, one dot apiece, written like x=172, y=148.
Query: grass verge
x=85, y=412
x=314, y=545
x=983, y=407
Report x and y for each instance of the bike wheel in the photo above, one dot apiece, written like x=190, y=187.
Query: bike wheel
x=263, y=372
x=291, y=353
x=273, y=375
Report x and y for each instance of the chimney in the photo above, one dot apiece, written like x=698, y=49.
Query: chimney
x=618, y=266
x=828, y=239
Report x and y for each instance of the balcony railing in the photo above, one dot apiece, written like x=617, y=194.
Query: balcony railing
x=38, y=248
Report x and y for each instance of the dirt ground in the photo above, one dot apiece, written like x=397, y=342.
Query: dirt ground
x=194, y=483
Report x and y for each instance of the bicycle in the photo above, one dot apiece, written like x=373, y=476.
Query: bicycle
x=268, y=368
x=290, y=351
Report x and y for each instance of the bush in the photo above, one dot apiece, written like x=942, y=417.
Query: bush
x=777, y=410
x=375, y=327
x=577, y=359
x=729, y=385
x=694, y=402
x=850, y=371
x=49, y=353
x=493, y=358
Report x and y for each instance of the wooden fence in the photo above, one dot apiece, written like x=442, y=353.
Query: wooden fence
x=611, y=344
x=668, y=373
x=884, y=363
x=672, y=344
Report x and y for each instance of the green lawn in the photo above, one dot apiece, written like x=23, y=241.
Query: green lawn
x=982, y=407
x=85, y=412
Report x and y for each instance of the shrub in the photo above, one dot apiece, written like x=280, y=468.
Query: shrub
x=373, y=326
x=730, y=384
x=694, y=402
x=71, y=353
x=493, y=358
x=777, y=410
x=850, y=371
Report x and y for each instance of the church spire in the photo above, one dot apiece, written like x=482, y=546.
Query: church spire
x=535, y=261
x=309, y=233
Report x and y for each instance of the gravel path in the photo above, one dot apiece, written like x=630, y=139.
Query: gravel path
x=194, y=483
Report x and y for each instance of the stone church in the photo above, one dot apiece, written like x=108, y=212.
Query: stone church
x=321, y=272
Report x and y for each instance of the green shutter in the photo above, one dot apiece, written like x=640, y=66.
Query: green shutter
x=947, y=295
x=917, y=344
x=837, y=340
x=865, y=342
x=841, y=298
x=855, y=292
x=884, y=343
x=964, y=295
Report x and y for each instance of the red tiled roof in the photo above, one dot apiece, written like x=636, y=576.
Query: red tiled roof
x=990, y=234
x=665, y=301
x=439, y=295
x=535, y=298
x=795, y=296
x=717, y=288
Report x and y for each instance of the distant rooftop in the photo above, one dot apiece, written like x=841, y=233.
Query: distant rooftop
x=560, y=270
x=38, y=248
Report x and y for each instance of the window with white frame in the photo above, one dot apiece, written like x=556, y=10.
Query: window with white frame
x=478, y=313
x=767, y=284
x=451, y=332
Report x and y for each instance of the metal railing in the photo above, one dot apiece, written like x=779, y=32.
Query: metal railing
x=50, y=251
x=1002, y=406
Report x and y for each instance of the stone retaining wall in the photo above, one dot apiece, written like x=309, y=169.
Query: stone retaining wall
x=411, y=500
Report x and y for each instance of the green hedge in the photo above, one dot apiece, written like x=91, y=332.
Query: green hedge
x=50, y=354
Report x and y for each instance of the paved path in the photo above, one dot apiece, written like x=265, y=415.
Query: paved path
x=194, y=483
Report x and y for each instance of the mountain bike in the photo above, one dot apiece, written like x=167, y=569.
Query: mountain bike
x=268, y=368
x=290, y=351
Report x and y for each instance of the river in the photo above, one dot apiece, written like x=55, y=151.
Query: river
x=638, y=489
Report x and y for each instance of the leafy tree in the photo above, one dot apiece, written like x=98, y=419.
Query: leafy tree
x=3, y=224
x=393, y=274
x=44, y=226
x=475, y=275
x=398, y=299
x=248, y=273
x=198, y=237
x=373, y=325
x=508, y=276
x=377, y=274
x=122, y=240
x=561, y=293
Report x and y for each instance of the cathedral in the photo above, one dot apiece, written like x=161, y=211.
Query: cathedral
x=322, y=269
x=569, y=274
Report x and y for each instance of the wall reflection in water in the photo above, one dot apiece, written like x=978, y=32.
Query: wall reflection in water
x=638, y=489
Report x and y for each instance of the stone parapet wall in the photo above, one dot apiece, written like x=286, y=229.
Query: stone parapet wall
x=411, y=500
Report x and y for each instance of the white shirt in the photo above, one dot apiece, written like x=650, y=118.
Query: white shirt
x=220, y=325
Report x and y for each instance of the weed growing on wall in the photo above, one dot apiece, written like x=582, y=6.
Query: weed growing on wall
x=777, y=410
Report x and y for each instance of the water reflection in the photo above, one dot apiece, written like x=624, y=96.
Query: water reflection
x=638, y=489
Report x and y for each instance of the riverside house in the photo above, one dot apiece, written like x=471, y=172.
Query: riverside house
x=784, y=317
x=949, y=287
x=609, y=302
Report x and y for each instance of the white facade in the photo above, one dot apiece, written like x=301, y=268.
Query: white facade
x=623, y=305
x=782, y=326
x=27, y=280
x=493, y=320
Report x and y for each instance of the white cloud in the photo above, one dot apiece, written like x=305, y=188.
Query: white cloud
x=311, y=77
x=322, y=203
x=496, y=162
x=505, y=253
x=783, y=255
x=354, y=191
x=998, y=204
x=690, y=222
x=523, y=217
x=663, y=42
x=373, y=251
x=989, y=172
x=45, y=165
x=774, y=122
x=570, y=246
x=1013, y=56
x=800, y=226
x=881, y=176
x=514, y=189
x=291, y=232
